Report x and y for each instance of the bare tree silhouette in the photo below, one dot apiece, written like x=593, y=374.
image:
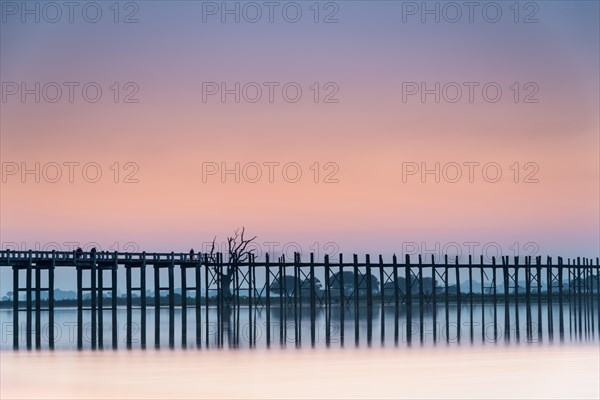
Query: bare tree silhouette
x=237, y=252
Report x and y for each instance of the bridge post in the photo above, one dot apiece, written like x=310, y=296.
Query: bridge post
x=328, y=283
x=79, y=307
x=434, y=296
x=183, y=270
x=421, y=302
x=579, y=298
x=356, y=292
x=172, y=301
x=506, y=299
x=251, y=281
x=588, y=300
x=268, y=300
x=342, y=299
x=282, y=303
x=471, y=296
x=396, y=300
x=207, y=260
x=16, y=328
x=369, y=285
x=51, y=301
x=38, y=306
x=93, y=293
x=495, y=299
x=598, y=290
x=561, y=322
x=481, y=272
x=538, y=262
x=129, y=305
x=549, y=282
x=446, y=298
x=516, y=280
x=382, y=297
x=156, y=303
x=528, y=296
x=327, y=302
x=198, y=296
x=408, y=294
x=143, y=301
x=101, y=306
x=313, y=300
x=299, y=293
x=28, y=327
x=113, y=283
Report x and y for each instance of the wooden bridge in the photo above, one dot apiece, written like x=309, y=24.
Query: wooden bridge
x=408, y=286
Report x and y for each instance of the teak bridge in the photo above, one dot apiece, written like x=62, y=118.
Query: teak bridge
x=409, y=286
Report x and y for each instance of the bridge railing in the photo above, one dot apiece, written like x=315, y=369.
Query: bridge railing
x=71, y=258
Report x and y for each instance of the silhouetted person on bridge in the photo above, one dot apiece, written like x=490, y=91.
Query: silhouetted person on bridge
x=191, y=254
x=93, y=252
x=79, y=253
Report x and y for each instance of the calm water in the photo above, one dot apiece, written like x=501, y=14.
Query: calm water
x=468, y=372
x=289, y=327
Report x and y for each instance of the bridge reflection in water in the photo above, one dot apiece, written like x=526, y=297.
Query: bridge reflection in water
x=281, y=302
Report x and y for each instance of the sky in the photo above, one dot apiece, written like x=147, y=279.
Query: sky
x=377, y=129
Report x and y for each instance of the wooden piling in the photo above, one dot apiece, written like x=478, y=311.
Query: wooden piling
x=93, y=291
x=593, y=298
x=396, y=299
x=268, y=299
x=327, y=301
x=113, y=314
x=38, y=306
x=516, y=280
x=598, y=290
x=538, y=262
x=16, y=290
x=79, y=308
x=421, y=302
x=129, y=306
x=342, y=299
x=253, y=299
x=561, y=322
x=101, y=307
x=506, y=299
x=198, y=297
x=313, y=300
x=369, y=299
x=408, y=288
x=356, y=293
x=528, y=297
x=458, y=302
x=471, y=298
x=156, y=306
x=382, y=298
x=369, y=283
x=495, y=298
x=588, y=291
x=481, y=272
x=206, y=299
x=282, y=302
x=50, y=301
x=172, y=301
x=296, y=290
x=579, y=298
x=549, y=279
x=28, y=305
x=446, y=298
x=434, y=295
x=183, y=305
x=143, y=301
